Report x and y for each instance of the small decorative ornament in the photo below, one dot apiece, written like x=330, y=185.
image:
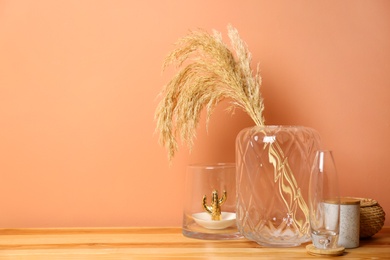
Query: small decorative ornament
x=215, y=208
x=228, y=219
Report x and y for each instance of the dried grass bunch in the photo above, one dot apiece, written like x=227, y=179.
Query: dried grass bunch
x=210, y=72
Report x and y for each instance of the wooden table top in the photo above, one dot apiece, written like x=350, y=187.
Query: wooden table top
x=151, y=243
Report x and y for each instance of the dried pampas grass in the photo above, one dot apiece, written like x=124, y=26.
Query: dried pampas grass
x=210, y=72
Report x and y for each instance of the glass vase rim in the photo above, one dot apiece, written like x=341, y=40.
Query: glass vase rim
x=210, y=166
x=279, y=126
x=324, y=150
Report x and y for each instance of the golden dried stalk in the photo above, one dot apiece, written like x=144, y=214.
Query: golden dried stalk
x=209, y=73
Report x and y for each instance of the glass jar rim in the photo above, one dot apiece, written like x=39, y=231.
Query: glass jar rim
x=212, y=165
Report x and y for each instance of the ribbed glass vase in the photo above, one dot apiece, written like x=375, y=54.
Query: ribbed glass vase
x=273, y=170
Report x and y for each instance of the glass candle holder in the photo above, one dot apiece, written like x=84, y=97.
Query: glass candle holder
x=324, y=202
x=209, y=210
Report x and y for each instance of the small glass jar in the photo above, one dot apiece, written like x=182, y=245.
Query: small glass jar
x=210, y=202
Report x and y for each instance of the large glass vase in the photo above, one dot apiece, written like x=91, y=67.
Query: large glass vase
x=273, y=170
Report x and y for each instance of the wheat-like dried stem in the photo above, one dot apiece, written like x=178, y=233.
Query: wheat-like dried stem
x=209, y=73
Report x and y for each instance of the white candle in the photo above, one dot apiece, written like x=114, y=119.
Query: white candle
x=349, y=222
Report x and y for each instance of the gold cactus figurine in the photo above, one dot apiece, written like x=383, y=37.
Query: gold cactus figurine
x=215, y=208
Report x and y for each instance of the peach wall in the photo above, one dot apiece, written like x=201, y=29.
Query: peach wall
x=78, y=90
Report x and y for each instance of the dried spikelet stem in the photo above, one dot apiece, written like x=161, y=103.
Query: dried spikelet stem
x=211, y=75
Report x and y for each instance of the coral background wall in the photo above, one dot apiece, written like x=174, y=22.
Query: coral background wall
x=79, y=84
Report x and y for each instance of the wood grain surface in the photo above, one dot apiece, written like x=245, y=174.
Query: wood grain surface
x=152, y=243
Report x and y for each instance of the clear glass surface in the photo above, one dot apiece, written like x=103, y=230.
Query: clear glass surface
x=202, y=180
x=273, y=171
x=324, y=201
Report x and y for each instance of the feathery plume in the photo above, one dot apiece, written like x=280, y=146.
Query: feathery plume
x=209, y=72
